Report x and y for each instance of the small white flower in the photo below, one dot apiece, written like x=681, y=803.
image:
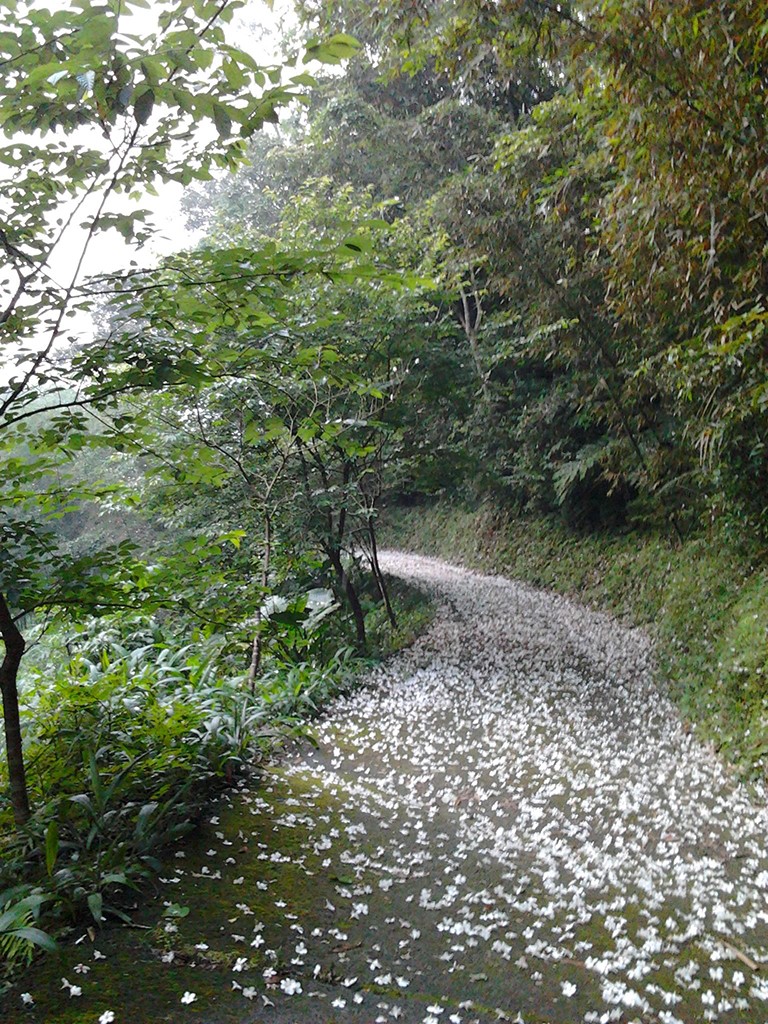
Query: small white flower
x=240, y=963
x=98, y=955
x=107, y=1017
x=81, y=969
x=339, y=1003
x=569, y=989
x=27, y=999
x=249, y=993
x=188, y=997
x=290, y=986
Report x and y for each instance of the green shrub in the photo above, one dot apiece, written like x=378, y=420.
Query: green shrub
x=123, y=745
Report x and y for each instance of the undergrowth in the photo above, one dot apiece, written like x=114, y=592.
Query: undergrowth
x=128, y=736
x=705, y=602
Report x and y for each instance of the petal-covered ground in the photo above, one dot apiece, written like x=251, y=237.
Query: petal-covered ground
x=509, y=821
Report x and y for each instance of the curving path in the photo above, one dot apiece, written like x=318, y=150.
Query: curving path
x=509, y=822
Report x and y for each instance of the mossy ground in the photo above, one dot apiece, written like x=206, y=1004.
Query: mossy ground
x=133, y=977
x=705, y=601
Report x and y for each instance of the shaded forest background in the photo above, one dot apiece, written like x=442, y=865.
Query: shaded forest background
x=507, y=255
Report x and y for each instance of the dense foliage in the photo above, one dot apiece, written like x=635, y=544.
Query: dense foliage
x=616, y=235
x=508, y=249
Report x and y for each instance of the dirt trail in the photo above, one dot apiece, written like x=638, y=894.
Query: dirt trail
x=508, y=822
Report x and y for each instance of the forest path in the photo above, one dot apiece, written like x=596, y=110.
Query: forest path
x=509, y=822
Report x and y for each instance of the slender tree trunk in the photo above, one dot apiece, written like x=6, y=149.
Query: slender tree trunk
x=9, y=672
x=351, y=594
x=378, y=575
x=471, y=317
x=256, y=649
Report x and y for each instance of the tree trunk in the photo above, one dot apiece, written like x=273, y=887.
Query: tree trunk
x=9, y=672
x=255, y=666
x=471, y=316
x=378, y=575
x=351, y=595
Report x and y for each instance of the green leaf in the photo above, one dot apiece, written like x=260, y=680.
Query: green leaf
x=304, y=78
x=115, y=878
x=51, y=846
x=95, y=904
x=222, y=120
x=358, y=243
x=95, y=777
x=154, y=70
x=333, y=50
x=97, y=31
x=234, y=74
x=176, y=910
x=38, y=937
x=142, y=108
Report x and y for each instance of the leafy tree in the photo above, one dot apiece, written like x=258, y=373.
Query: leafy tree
x=134, y=107
x=643, y=228
x=296, y=444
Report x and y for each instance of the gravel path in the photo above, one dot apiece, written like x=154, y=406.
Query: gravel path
x=510, y=822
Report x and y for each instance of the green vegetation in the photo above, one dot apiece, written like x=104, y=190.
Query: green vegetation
x=129, y=739
x=509, y=252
